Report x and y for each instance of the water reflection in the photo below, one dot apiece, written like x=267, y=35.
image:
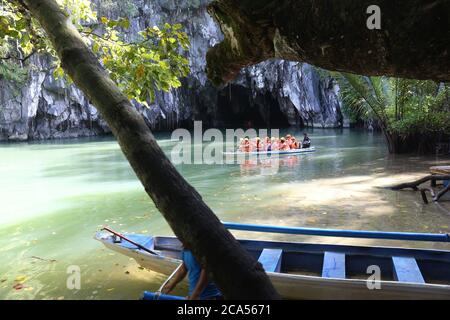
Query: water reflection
x=267, y=165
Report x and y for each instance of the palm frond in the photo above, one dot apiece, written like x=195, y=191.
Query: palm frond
x=364, y=89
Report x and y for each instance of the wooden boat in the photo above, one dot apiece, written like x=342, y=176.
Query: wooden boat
x=440, y=170
x=443, y=171
x=275, y=152
x=318, y=271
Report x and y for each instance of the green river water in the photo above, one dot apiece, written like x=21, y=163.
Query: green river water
x=55, y=195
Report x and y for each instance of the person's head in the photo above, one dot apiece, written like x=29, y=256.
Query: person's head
x=282, y=140
x=293, y=138
x=288, y=136
x=273, y=139
x=305, y=134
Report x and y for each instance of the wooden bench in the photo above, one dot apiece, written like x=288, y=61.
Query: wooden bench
x=271, y=259
x=333, y=265
x=167, y=244
x=407, y=270
x=143, y=240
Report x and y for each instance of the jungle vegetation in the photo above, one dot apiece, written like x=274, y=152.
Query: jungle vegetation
x=413, y=115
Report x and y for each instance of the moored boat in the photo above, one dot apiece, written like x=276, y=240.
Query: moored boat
x=318, y=271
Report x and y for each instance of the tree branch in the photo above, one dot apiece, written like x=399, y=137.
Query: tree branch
x=14, y=57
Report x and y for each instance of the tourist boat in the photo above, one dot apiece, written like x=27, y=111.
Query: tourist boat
x=275, y=152
x=317, y=271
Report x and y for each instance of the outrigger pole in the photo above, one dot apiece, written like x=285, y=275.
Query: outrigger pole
x=436, y=237
x=129, y=240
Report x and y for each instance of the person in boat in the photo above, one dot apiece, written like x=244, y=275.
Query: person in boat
x=283, y=146
x=274, y=144
x=258, y=145
x=247, y=146
x=306, y=141
x=241, y=145
x=295, y=144
x=200, y=287
x=268, y=144
x=289, y=140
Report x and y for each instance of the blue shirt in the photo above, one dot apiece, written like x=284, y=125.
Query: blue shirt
x=194, y=270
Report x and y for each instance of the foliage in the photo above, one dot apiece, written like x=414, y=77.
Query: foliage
x=124, y=8
x=423, y=123
x=403, y=108
x=422, y=108
x=153, y=61
x=13, y=73
x=141, y=66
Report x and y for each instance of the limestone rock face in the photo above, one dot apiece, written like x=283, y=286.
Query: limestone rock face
x=273, y=93
x=303, y=96
x=45, y=108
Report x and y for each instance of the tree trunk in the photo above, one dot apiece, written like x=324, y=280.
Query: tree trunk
x=413, y=41
x=238, y=274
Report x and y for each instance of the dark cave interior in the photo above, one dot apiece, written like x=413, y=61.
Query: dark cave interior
x=237, y=107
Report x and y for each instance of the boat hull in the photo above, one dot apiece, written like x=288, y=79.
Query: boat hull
x=277, y=152
x=306, y=288
x=297, y=286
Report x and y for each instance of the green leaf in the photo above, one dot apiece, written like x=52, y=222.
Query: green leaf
x=95, y=47
x=125, y=23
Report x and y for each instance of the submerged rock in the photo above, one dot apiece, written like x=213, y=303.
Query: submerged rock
x=274, y=93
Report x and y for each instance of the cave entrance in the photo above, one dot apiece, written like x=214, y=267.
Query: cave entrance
x=239, y=107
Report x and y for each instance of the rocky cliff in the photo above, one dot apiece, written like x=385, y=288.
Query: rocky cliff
x=273, y=93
